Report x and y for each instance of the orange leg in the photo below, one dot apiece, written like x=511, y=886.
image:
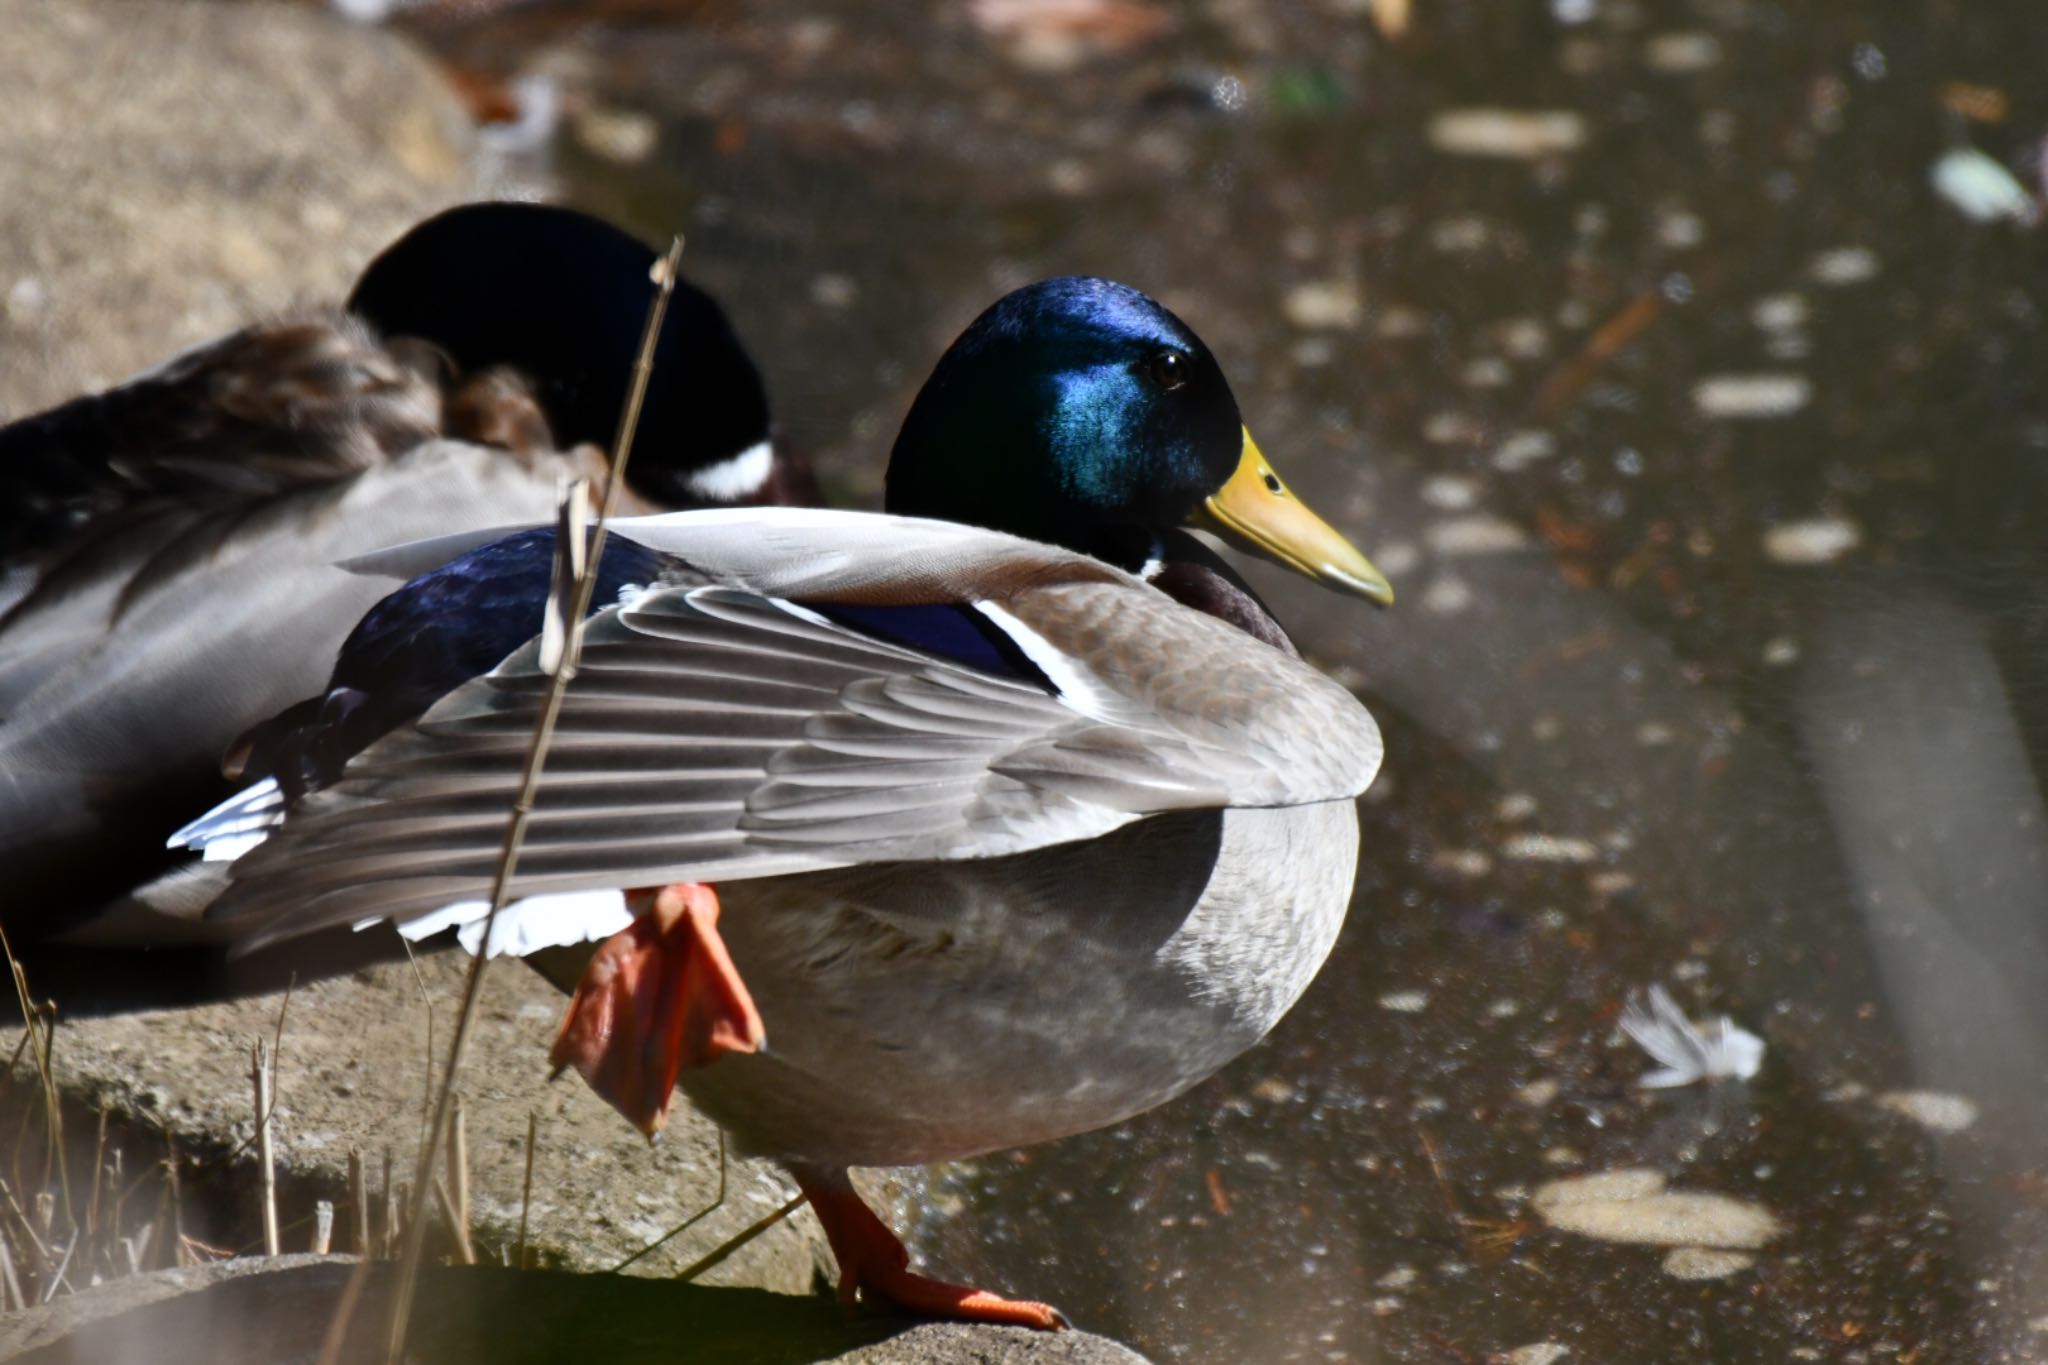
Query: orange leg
x=659, y=995
x=872, y=1261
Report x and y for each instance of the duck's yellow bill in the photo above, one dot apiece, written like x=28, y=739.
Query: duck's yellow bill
x=1255, y=511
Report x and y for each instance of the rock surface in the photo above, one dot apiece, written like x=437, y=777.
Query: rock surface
x=352, y=1072
x=174, y=169
x=250, y=1311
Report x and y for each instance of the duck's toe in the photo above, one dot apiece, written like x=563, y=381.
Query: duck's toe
x=874, y=1266
x=658, y=996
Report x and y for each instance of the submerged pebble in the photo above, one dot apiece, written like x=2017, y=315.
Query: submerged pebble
x=1475, y=535
x=1515, y=133
x=1982, y=189
x=1817, y=540
x=1705, y=1263
x=1633, y=1205
x=1536, y=1353
x=1324, y=305
x=1752, y=396
x=1844, y=265
x=1932, y=1109
x=1549, y=848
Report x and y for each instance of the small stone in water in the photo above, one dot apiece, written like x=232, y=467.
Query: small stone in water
x=1705, y=1263
x=1781, y=652
x=1932, y=1109
x=626, y=136
x=1521, y=449
x=1517, y=133
x=1634, y=1206
x=1982, y=189
x=1536, y=1353
x=1779, y=312
x=1752, y=395
x=1819, y=540
x=1324, y=305
x=1844, y=265
x=1681, y=52
x=1515, y=806
x=1449, y=494
x=1446, y=597
x=1475, y=535
x=834, y=291
x=1549, y=848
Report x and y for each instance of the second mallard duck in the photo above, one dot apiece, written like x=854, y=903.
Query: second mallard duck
x=1010, y=842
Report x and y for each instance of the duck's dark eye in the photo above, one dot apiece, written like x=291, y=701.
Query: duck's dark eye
x=1168, y=369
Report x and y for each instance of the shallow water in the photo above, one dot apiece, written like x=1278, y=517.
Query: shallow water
x=1706, y=442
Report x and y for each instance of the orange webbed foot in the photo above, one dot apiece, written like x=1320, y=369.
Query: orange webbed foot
x=873, y=1264
x=658, y=996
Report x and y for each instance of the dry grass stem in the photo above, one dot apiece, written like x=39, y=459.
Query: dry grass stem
x=266, y=1164
x=359, y=1200
x=717, y=1201
x=11, y=1296
x=525, y=1192
x=739, y=1239
x=39, y=1023
x=522, y=807
x=458, y=1177
x=464, y=1252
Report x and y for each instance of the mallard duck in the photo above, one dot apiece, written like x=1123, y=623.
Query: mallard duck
x=169, y=545
x=1013, y=838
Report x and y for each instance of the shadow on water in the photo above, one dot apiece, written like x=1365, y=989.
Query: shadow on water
x=1707, y=445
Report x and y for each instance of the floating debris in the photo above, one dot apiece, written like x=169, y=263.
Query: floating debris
x=1817, y=540
x=1446, y=596
x=1705, y=1263
x=1680, y=230
x=1690, y=1054
x=1932, y=1109
x=1536, y=1353
x=1450, y=494
x=1405, y=1002
x=1514, y=806
x=625, y=136
x=1752, y=396
x=835, y=291
x=1538, y=1094
x=1464, y=862
x=1842, y=265
x=1324, y=305
x=1487, y=372
x=1780, y=652
x=1480, y=534
x=1982, y=189
x=1634, y=1206
x=1979, y=103
x=1780, y=312
x=1681, y=53
x=1521, y=449
x=1058, y=35
x=1518, y=134
x=1549, y=848
x=1400, y=1277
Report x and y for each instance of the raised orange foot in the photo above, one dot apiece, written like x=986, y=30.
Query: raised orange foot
x=873, y=1263
x=659, y=995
